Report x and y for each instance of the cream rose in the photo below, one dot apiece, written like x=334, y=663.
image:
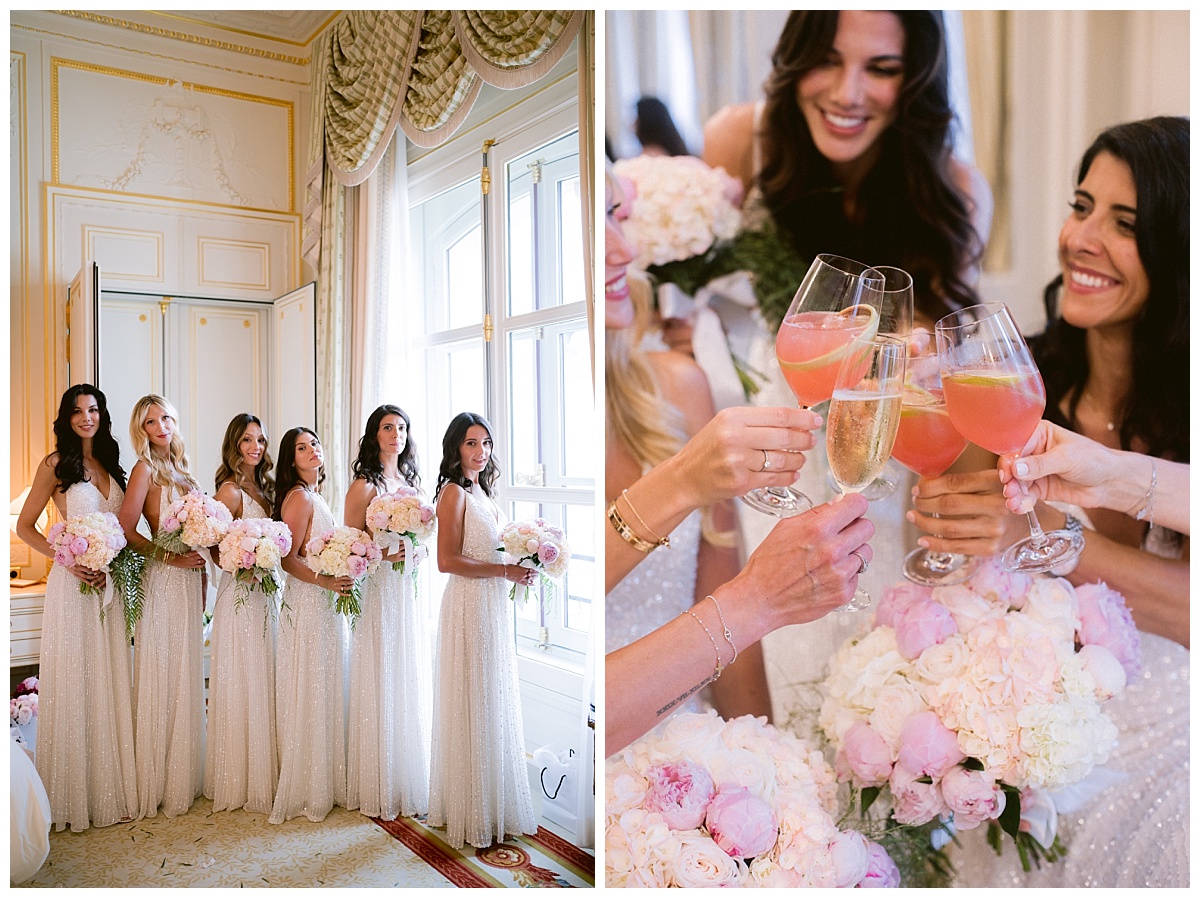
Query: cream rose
x=700, y=863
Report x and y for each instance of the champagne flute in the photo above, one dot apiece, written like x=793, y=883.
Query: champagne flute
x=864, y=416
x=825, y=316
x=995, y=397
x=927, y=444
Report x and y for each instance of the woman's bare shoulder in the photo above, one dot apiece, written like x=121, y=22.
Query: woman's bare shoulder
x=729, y=140
x=684, y=385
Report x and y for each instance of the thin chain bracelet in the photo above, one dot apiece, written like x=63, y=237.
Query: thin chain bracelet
x=664, y=541
x=1147, y=510
x=720, y=668
x=725, y=630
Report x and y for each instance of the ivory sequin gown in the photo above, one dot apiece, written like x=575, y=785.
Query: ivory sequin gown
x=389, y=727
x=85, y=732
x=168, y=687
x=309, y=701
x=479, y=787
x=241, y=767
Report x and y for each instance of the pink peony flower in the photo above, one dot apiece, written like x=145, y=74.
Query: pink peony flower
x=973, y=795
x=680, y=792
x=54, y=531
x=1105, y=620
x=848, y=855
x=357, y=566
x=79, y=545
x=897, y=598
x=1104, y=668
x=927, y=747
x=882, y=872
x=743, y=825
x=866, y=754
x=914, y=803
x=248, y=559
x=547, y=553
x=426, y=514
x=993, y=581
x=921, y=624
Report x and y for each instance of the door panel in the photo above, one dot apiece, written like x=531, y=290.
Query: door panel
x=83, y=321
x=130, y=359
x=294, y=364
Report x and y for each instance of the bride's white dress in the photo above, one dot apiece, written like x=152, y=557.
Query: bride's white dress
x=85, y=742
x=309, y=700
x=241, y=762
x=479, y=786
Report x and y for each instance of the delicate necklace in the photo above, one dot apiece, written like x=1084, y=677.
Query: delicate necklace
x=1085, y=398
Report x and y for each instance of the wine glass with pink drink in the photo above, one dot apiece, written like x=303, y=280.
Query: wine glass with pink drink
x=827, y=314
x=995, y=397
x=928, y=444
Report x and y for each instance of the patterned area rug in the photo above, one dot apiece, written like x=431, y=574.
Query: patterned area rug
x=543, y=860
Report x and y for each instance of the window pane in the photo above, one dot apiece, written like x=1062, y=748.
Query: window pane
x=456, y=384
x=581, y=536
x=578, y=438
x=464, y=279
x=524, y=407
x=446, y=234
x=570, y=242
x=520, y=257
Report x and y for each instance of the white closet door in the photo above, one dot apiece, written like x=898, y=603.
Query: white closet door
x=294, y=371
x=131, y=359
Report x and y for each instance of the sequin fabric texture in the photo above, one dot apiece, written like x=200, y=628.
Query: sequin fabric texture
x=85, y=744
x=479, y=788
x=241, y=764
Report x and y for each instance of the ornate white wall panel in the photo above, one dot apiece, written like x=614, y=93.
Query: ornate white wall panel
x=134, y=133
x=233, y=264
x=133, y=327
x=130, y=255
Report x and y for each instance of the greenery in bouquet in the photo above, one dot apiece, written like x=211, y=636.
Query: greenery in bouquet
x=127, y=569
x=344, y=552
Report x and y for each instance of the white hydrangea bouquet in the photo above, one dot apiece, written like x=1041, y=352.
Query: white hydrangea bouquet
x=538, y=545
x=700, y=801
x=194, y=521
x=399, y=515
x=251, y=550
x=970, y=703
x=91, y=541
x=344, y=552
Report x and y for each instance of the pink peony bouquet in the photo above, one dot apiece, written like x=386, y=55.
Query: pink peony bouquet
x=969, y=703
x=538, y=545
x=23, y=706
x=344, y=552
x=399, y=515
x=195, y=521
x=700, y=801
x=91, y=541
x=251, y=550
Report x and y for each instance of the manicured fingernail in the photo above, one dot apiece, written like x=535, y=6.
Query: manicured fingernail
x=914, y=492
x=923, y=543
x=1021, y=468
x=911, y=516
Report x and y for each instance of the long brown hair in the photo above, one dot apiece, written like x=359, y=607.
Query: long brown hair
x=231, y=458
x=286, y=474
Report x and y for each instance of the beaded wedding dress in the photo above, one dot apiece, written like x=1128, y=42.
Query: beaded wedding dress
x=85, y=742
x=388, y=749
x=309, y=701
x=168, y=686
x=241, y=762
x=479, y=786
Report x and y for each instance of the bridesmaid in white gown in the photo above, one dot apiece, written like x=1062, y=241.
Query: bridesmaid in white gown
x=479, y=788
x=85, y=745
x=310, y=705
x=241, y=765
x=387, y=759
x=168, y=676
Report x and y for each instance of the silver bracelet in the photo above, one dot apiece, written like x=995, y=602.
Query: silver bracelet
x=1147, y=509
x=725, y=630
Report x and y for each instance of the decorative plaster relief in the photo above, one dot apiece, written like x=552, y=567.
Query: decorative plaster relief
x=135, y=134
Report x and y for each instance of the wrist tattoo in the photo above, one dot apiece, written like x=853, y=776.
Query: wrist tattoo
x=683, y=698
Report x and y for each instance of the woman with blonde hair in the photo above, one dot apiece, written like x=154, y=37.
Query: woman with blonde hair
x=168, y=678
x=241, y=764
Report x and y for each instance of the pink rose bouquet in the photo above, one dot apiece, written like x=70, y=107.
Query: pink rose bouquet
x=195, y=521
x=91, y=541
x=966, y=702
x=344, y=552
x=23, y=706
x=538, y=545
x=399, y=515
x=251, y=550
x=700, y=801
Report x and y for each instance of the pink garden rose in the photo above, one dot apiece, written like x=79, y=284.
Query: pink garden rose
x=866, y=754
x=882, y=872
x=547, y=553
x=743, y=825
x=680, y=792
x=927, y=746
x=896, y=598
x=921, y=624
x=973, y=795
x=1105, y=620
x=914, y=802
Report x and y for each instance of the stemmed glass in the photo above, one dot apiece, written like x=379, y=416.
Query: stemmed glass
x=826, y=314
x=995, y=397
x=927, y=444
x=864, y=417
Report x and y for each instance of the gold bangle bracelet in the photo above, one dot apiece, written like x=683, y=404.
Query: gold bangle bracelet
x=661, y=540
x=626, y=532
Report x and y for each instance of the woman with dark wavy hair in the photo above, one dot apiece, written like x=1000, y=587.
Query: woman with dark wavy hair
x=85, y=746
x=387, y=759
x=478, y=787
x=851, y=151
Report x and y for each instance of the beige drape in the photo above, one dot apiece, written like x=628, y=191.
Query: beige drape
x=985, y=33
x=587, y=169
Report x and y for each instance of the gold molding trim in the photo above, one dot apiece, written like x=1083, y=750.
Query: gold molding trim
x=158, y=238
x=264, y=252
x=192, y=38
x=58, y=63
x=20, y=83
x=266, y=37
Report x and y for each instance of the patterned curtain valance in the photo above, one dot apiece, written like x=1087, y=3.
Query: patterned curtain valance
x=423, y=70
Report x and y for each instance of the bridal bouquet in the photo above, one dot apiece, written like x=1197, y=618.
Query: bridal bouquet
x=91, y=541
x=251, y=550
x=538, y=545
x=700, y=801
x=195, y=521
x=344, y=552
x=23, y=706
x=400, y=515
x=969, y=703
